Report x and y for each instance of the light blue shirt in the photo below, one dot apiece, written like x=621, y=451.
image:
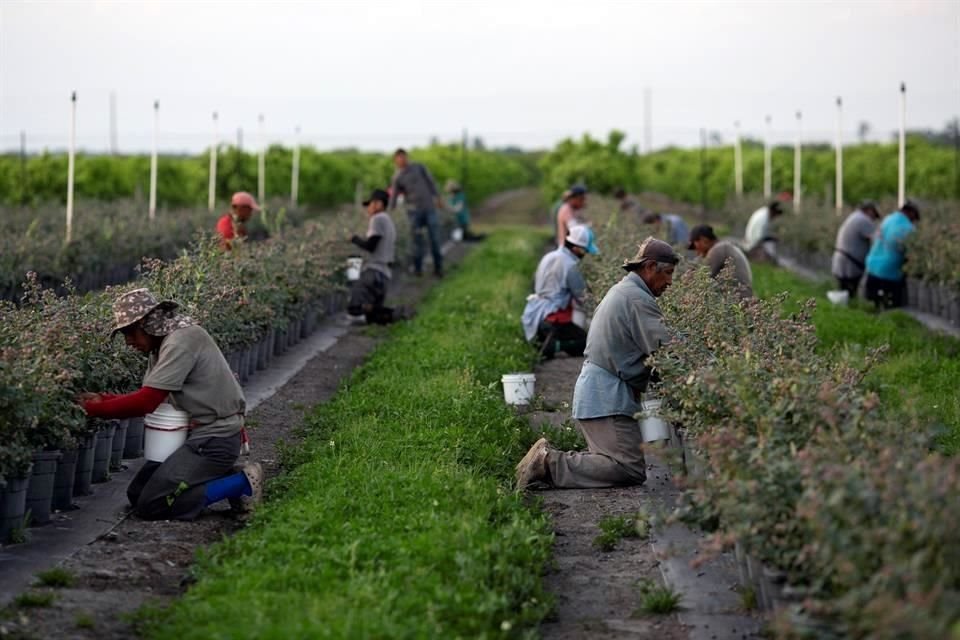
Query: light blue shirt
x=887, y=252
x=558, y=282
x=679, y=232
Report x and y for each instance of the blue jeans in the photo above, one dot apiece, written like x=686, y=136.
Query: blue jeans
x=420, y=218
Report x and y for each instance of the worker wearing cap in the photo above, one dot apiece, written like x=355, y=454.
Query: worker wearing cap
x=852, y=246
x=419, y=190
x=369, y=292
x=718, y=253
x=758, y=241
x=568, y=215
x=233, y=224
x=186, y=369
x=548, y=317
x=627, y=328
x=886, y=286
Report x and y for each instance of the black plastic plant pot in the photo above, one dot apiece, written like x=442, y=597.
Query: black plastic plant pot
x=84, y=475
x=119, y=442
x=13, y=506
x=63, y=480
x=134, y=444
x=104, y=447
x=40, y=489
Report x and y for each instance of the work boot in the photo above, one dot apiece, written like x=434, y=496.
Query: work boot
x=246, y=504
x=533, y=467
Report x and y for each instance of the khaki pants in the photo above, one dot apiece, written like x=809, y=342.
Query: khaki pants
x=614, y=458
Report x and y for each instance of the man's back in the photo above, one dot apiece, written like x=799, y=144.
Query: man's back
x=853, y=244
x=758, y=228
x=383, y=254
x=723, y=251
x=886, y=256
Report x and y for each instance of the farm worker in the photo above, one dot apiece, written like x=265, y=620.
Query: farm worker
x=759, y=242
x=852, y=245
x=886, y=286
x=368, y=293
x=233, y=224
x=557, y=205
x=627, y=202
x=457, y=202
x=548, y=317
x=185, y=368
x=718, y=253
x=627, y=327
x=568, y=215
x=420, y=194
x=677, y=234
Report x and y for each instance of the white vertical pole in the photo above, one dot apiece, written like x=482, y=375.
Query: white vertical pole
x=839, y=183
x=797, y=186
x=295, y=177
x=113, y=123
x=212, y=197
x=767, y=178
x=737, y=160
x=648, y=119
x=902, y=179
x=153, y=161
x=71, y=152
x=261, y=164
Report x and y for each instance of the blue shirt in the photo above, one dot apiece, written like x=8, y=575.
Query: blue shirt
x=678, y=232
x=886, y=256
x=558, y=282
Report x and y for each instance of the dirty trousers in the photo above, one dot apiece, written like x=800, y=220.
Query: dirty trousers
x=614, y=457
x=175, y=488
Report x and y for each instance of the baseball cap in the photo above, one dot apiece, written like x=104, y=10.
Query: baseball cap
x=378, y=194
x=241, y=198
x=582, y=236
x=577, y=190
x=701, y=231
x=652, y=249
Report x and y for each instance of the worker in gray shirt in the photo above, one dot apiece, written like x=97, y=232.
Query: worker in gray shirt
x=718, y=253
x=369, y=292
x=627, y=328
x=852, y=246
x=414, y=181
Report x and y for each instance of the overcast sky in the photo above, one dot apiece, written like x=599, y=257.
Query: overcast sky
x=376, y=74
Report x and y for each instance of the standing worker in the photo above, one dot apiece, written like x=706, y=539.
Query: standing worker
x=759, y=243
x=233, y=224
x=420, y=194
x=186, y=368
x=559, y=285
x=568, y=215
x=457, y=202
x=627, y=328
x=369, y=292
x=717, y=253
x=678, y=233
x=886, y=285
x=853, y=243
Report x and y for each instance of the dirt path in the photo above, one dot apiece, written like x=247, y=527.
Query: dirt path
x=141, y=563
x=597, y=594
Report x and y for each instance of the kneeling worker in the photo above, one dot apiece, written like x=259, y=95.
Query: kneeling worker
x=548, y=316
x=186, y=368
x=716, y=253
x=368, y=293
x=627, y=327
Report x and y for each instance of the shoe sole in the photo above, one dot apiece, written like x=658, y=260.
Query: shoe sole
x=524, y=467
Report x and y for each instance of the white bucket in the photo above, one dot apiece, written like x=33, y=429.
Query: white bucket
x=580, y=318
x=518, y=387
x=652, y=427
x=840, y=298
x=457, y=234
x=353, y=268
x=165, y=430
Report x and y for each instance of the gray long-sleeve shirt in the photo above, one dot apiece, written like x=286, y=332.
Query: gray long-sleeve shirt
x=853, y=240
x=417, y=185
x=626, y=328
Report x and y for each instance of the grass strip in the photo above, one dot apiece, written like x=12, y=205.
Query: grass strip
x=918, y=375
x=398, y=519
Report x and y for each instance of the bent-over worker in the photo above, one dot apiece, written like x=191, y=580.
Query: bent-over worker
x=627, y=328
x=559, y=286
x=716, y=253
x=852, y=245
x=369, y=292
x=678, y=233
x=759, y=243
x=185, y=368
x=568, y=215
x=886, y=285
x=233, y=224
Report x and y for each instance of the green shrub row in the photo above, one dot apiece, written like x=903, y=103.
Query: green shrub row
x=55, y=346
x=398, y=518
x=803, y=465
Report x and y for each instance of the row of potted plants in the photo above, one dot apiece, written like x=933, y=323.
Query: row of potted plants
x=256, y=301
x=839, y=509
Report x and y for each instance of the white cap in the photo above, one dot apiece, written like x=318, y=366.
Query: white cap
x=579, y=235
